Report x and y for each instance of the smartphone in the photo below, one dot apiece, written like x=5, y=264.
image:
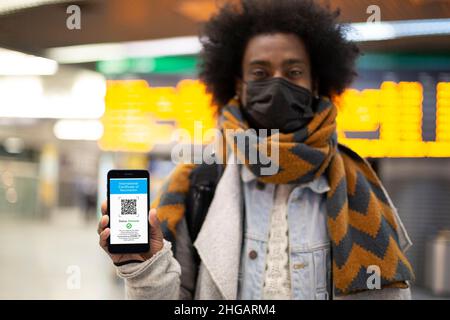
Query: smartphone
x=128, y=207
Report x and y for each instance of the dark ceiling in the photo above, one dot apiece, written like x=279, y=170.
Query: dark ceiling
x=35, y=29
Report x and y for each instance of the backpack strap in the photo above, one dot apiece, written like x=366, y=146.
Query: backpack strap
x=204, y=180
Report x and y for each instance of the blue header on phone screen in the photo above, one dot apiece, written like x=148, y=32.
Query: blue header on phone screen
x=128, y=186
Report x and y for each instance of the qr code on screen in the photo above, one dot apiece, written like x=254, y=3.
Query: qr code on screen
x=128, y=206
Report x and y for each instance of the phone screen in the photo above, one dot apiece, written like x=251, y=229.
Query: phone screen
x=128, y=211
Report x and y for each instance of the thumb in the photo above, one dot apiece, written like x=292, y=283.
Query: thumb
x=155, y=230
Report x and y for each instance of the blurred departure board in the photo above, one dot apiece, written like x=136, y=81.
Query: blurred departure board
x=399, y=106
x=386, y=122
x=138, y=116
x=392, y=121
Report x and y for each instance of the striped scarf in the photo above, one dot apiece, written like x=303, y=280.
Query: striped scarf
x=361, y=222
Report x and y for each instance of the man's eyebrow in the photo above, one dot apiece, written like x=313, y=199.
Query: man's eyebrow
x=293, y=61
x=260, y=63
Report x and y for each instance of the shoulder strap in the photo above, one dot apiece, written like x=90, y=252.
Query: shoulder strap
x=204, y=180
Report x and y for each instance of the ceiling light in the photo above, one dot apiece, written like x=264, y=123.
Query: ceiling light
x=18, y=63
x=115, y=51
x=10, y=6
x=388, y=30
x=25, y=97
x=90, y=130
x=191, y=45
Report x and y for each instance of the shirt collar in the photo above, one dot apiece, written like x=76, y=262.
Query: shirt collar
x=318, y=185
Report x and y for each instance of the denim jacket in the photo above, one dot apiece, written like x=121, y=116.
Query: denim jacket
x=309, y=244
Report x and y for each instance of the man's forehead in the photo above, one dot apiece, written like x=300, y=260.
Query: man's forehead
x=269, y=47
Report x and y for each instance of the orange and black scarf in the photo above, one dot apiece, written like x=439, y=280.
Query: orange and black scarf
x=361, y=223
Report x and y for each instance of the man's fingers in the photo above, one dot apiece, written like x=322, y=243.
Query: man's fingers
x=104, y=238
x=155, y=230
x=102, y=223
x=104, y=207
x=153, y=218
x=156, y=235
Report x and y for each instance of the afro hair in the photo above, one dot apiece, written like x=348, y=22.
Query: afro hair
x=225, y=37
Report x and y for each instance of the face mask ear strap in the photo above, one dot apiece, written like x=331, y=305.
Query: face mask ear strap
x=316, y=88
x=237, y=96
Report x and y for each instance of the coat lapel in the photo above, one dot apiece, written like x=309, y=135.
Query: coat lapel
x=219, y=240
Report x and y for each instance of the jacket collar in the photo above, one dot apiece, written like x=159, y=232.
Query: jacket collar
x=219, y=240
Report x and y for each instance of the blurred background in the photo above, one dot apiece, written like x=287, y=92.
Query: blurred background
x=91, y=85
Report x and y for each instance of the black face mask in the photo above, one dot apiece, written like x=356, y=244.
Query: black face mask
x=279, y=104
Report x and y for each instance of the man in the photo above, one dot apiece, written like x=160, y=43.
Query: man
x=322, y=226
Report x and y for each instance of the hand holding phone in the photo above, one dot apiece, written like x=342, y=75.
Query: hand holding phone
x=156, y=239
x=126, y=227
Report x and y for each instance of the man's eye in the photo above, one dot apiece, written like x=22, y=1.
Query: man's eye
x=259, y=74
x=295, y=73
